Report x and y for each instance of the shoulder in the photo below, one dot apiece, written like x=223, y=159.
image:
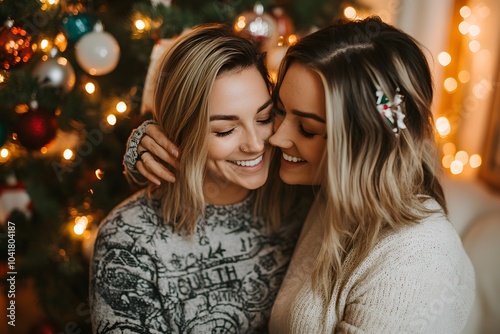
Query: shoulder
x=138, y=213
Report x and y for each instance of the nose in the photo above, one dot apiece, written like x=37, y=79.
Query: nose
x=281, y=137
x=253, y=141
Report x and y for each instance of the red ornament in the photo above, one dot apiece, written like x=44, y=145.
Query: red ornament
x=36, y=129
x=15, y=45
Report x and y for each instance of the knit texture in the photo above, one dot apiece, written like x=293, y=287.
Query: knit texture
x=417, y=279
x=146, y=278
x=131, y=154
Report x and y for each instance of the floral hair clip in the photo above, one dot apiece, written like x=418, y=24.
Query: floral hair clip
x=391, y=110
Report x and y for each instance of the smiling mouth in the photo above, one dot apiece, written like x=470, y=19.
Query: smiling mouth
x=247, y=163
x=290, y=158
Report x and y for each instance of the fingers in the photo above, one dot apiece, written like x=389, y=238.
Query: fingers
x=153, y=170
x=156, y=142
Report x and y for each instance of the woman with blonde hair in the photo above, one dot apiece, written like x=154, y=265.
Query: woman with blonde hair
x=205, y=254
x=377, y=253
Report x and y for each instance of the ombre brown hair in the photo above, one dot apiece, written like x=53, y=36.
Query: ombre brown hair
x=185, y=77
x=375, y=180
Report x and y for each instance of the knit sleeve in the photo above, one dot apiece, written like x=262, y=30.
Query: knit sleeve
x=124, y=293
x=131, y=155
x=412, y=283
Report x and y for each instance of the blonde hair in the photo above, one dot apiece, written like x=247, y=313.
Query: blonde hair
x=375, y=179
x=184, y=83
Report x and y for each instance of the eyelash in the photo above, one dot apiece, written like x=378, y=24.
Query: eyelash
x=262, y=122
x=302, y=131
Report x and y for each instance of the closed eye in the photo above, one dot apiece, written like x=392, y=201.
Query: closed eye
x=223, y=134
x=267, y=120
x=305, y=133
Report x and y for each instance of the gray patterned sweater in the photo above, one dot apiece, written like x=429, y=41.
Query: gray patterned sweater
x=146, y=278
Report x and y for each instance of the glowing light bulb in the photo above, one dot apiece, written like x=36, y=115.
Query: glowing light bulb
x=474, y=46
x=463, y=27
x=462, y=156
x=350, y=12
x=68, y=154
x=444, y=58
x=456, y=167
x=443, y=126
x=465, y=12
x=99, y=173
x=111, y=119
x=447, y=160
x=140, y=25
x=121, y=107
x=4, y=153
x=90, y=87
x=464, y=76
x=475, y=160
x=474, y=30
x=450, y=84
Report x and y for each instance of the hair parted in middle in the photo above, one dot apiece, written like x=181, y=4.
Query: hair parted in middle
x=185, y=77
x=375, y=179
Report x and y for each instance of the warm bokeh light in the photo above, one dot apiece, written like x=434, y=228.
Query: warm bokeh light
x=240, y=24
x=449, y=149
x=79, y=229
x=140, y=25
x=462, y=156
x=456, y=167
x=481, y=89
x=44, y=150
x=463, y=27
x=2, y=78
x=444, y=58
x=447, y=160
x=99, y=173
x=90, y=87
x=464, y=76
x=121, y=107
x=484, y=11
x=474, y=46
x=292, y=39
x=44, y=44
x=350, y=12
x=465, y=12
x=61, y=42
x=68, y=154
x=81, y=223
x=450, y=84
x=475, y=160
x=474, y=30
x=111, y=119
x=4, y=153
x=443, y=126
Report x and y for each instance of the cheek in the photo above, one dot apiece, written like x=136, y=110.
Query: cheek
x=220, y=148
x=316, y=151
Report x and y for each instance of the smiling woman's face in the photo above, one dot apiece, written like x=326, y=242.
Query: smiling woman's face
x=240, y=126
x=300, y=129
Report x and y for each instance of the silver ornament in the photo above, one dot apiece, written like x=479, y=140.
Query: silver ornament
x=55, y=72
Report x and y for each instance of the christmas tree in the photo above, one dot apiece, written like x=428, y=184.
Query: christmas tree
x=73, y=82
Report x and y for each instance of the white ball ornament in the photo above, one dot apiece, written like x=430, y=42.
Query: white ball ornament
x=97, y=52
x=55, y=72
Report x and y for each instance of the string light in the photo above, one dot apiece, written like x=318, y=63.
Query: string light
x=462, y=156
x=443, y=126
x=447, y=160
x=99, y=173
x=456, y=167
x=474, y=30
x=465, y=12
x=444, y=58
x=44, y=150
x=68, y=154
x=475, y=160
x=240, y=23
x=140, y=25
x=111, y=119
x=4, y=153
x=90, y=88
x=463, y=27
x=350, y=12
x=464, y=76
x=81, y=223
x=474, y=46
x=450, y=84
x=121, y=107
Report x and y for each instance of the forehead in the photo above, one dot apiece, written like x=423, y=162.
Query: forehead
x=302, y=89
x=238, y=91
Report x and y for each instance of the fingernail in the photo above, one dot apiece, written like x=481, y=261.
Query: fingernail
x=175, y=153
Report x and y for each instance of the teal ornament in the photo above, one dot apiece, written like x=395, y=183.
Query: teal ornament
x=75, y=26
x=3, y=134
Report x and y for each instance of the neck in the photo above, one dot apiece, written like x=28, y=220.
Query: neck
x=219, y=192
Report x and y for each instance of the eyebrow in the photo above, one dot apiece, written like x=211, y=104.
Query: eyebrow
x=234, y=117
x=304, y=114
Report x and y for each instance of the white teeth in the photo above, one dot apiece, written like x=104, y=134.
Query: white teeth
x=248, y=163
x=289, y=158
